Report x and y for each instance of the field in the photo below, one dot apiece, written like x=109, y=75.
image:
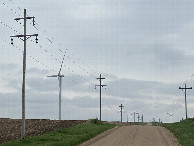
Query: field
x=183, y=131
x=67, y=136
x=10, y=129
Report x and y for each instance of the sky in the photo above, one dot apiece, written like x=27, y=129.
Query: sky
x=143, y=49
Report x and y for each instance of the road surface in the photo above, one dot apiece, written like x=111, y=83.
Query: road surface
x=136, y=135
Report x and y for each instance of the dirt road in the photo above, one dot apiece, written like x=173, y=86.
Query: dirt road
x=136, y=135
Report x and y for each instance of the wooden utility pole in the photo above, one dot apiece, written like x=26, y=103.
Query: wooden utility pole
x=185, y=88
x=159, y=122
x=134, y=116
x=138, y=117
x=128, y=117
x=121, y=111
x=100, y=91
x=25, y=37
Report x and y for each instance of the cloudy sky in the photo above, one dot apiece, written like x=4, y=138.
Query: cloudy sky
x=144, y=49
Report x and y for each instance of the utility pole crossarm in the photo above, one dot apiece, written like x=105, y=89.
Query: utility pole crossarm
x=24, y=18
x=100, y=85
x=121, y=105
x=185, y=88
x=100, y=78
x=24, y=35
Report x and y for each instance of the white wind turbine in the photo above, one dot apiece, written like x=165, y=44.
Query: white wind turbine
x=60, y=84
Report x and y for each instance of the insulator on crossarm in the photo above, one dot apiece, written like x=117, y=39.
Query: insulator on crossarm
x=11, y=41
x=36, y=39
x=33, y=22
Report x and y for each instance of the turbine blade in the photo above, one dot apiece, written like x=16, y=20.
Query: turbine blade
x=53, y=76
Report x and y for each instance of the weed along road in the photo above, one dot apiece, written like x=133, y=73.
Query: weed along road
x=135, y=135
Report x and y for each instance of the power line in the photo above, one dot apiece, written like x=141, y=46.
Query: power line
x=10, y=9
x=21, y=39
x=33, y=58
x=48, y=53
x=45, y=51
x=57, y=60
x=45, y=36
x=48, y=40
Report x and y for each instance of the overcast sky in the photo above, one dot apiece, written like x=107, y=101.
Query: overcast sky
x=144, y=49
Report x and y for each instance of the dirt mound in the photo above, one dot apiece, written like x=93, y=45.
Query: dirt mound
x=10, y=129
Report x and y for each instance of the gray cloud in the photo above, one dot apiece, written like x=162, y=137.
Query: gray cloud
x=138, y=46
x=137, y=88
x=69, y=82
x=45, y=104
x=10, y=67
x=37, y=71
x=83, y=102
x=42, y=85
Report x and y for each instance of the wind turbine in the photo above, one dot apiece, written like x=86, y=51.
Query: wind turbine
x=60, y=84
x=170, y=114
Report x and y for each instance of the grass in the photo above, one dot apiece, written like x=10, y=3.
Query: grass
x=155, y=124
x=66, y=137
x=142, y=123
x=183, y=131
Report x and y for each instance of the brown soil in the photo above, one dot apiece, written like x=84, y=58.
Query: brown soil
x=135, y=135
x=10, y=129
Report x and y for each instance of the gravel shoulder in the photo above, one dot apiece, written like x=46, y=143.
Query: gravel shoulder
x=135, y=135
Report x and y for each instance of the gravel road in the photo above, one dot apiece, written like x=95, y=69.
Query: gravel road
x=136, y=135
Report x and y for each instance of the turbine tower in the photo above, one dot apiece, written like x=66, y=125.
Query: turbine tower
x=60, y=84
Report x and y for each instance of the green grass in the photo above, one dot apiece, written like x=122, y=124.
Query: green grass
x=155, y=124
x=142, y=123
x=183, y=131
x=66, y=137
